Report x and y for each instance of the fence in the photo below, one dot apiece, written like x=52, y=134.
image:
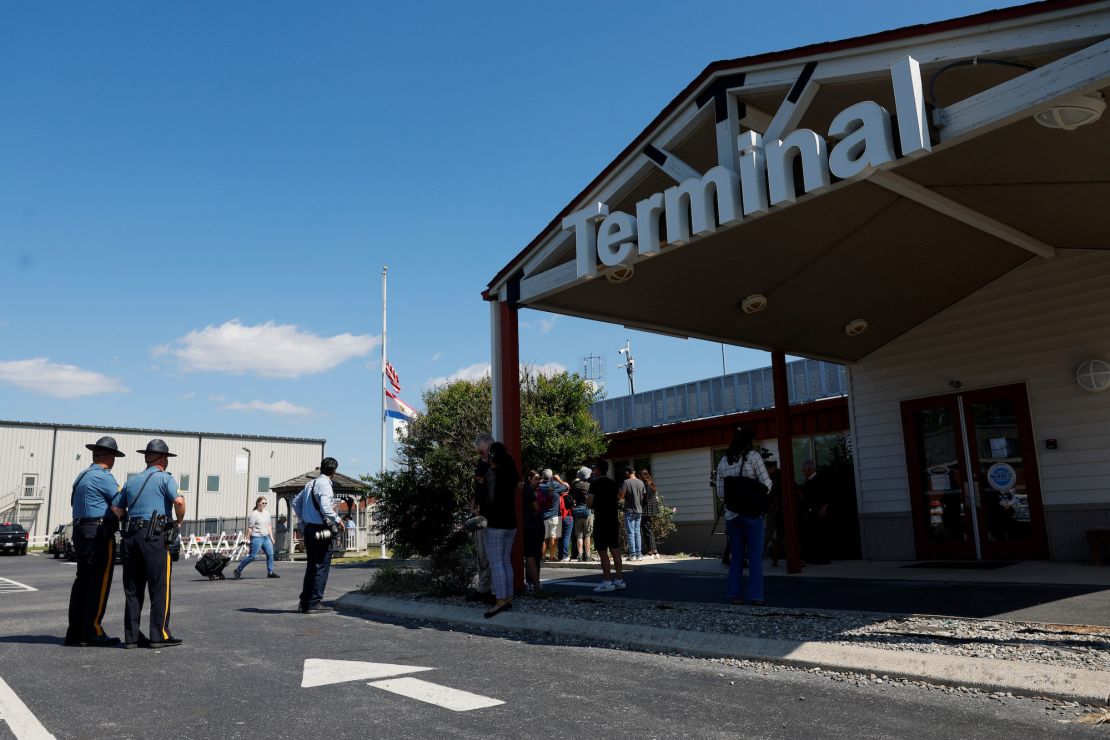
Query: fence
x=224, y=534
x=807, y=380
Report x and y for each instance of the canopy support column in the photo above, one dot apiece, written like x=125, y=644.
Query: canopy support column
x=506, y=393
x=786, y=462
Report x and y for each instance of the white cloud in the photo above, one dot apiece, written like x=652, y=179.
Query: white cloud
x=217, y=397
x=476, y=371
x=481, y=370
x=270, y=350
x=277, y=407
x=54, y=379
x=547, y=323
x=436, y=357
x=187, y=396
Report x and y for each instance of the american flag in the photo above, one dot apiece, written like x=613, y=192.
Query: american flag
x=393, y=379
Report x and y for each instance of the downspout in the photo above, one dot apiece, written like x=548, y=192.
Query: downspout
x=50, y=489
x=200, y=446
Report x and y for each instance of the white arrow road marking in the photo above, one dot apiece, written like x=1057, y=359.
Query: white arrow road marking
x=7, y=585
x=318, y=672
x=23, y=724
x=442, y=696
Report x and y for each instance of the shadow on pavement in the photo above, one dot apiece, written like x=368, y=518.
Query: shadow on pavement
x=1062, y=604
x=33, y=639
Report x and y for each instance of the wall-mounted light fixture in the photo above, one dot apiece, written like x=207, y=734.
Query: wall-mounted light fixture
x=1093, y=375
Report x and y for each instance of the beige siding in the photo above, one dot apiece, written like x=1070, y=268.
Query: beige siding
x=683, y=481
x=1034, y=325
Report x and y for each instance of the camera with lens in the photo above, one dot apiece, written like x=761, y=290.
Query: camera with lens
x=327, y=534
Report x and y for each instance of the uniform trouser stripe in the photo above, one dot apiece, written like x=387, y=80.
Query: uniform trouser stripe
x=105, y=583
x=166, y=614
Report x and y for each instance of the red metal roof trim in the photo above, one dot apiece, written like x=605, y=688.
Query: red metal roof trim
x=819, y=417
x=984, y=18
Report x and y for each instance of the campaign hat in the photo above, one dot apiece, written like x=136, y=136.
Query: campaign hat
x=105, y=446
x=157, y=447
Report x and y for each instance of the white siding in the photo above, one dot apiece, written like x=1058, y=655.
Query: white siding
x=1033, y=325
x=27, y=450
x=683, y=481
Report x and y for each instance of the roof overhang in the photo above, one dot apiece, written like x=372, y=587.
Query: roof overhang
x=898, y=238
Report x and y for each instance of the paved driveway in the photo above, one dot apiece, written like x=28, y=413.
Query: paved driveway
x=239, y=675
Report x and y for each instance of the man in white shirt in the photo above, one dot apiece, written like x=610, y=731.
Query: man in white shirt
x=315, y=509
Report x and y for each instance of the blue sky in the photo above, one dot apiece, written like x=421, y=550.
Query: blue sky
x=196, y=199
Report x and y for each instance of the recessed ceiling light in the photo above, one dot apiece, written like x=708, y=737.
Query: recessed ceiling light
x=855, y=327
x=1070, y=114
x=620, y=274
x=754, y=303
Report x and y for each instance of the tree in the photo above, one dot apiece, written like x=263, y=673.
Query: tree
x=423, y=504
x=556, y=428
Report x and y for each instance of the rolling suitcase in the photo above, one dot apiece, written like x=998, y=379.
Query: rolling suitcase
x=212, y=564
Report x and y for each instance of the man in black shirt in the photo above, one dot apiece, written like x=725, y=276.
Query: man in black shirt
x=604, y=498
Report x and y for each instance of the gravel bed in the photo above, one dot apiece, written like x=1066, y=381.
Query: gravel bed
x=1055, y=645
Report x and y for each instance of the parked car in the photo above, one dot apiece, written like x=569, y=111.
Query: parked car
x=61, y=542
x=14, y=538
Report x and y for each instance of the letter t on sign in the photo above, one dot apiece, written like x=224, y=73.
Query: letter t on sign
x=585, y=236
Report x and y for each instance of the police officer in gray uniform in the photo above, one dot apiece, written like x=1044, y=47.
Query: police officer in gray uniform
x=150, y=500
x=95, y=521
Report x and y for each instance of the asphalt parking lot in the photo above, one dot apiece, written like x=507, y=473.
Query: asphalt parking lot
x=240, y=671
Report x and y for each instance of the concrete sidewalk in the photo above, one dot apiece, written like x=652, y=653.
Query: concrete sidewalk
x=1025, y=679
x=1027, y=571
x=1051, y=593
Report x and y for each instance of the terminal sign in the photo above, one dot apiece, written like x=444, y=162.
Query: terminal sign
x=761, y=178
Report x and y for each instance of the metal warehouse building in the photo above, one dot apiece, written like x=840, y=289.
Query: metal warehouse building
x=220, y=475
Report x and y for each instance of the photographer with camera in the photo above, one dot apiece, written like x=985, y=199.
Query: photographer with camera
x=315, y=509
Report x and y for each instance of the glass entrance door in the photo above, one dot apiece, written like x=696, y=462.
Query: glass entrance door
x=973, y=478
x=1003, y=467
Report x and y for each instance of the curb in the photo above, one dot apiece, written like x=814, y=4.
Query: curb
x=986, y=674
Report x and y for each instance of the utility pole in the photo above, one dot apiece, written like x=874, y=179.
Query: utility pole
x=629, y=365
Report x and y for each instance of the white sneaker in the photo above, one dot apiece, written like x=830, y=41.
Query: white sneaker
x=606, y=586
x=565, y=560
x=619, y=584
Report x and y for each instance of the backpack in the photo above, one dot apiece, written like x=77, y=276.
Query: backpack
x=745, y=496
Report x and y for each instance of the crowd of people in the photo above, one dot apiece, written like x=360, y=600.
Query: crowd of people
x=570, y=521
x=562, y=521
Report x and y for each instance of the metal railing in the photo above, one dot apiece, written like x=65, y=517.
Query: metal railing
x=750, y=390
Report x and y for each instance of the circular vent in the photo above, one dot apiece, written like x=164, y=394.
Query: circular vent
x=1093, y=375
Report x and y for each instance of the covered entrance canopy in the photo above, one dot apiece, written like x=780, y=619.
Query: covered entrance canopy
x=773, y=204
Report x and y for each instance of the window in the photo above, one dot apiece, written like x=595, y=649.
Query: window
x=30, y=482
x=263, y=484
x=184, y=484
x=213, y=484
x=616, y=467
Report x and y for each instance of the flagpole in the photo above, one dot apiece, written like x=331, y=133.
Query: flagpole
x=385, y=419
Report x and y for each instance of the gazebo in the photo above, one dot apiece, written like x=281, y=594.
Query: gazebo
x=342, y=485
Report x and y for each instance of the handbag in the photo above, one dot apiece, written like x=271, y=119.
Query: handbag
x=581, y=511
x=745, y=496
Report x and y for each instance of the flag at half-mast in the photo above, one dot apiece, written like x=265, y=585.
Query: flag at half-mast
x=398, y=409
x=393, y=378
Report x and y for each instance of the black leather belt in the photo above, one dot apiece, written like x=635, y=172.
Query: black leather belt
x=137, y=523
x=87, y=521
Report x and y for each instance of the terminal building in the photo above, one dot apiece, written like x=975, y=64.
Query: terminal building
x=925, y=206
x=220, y=475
